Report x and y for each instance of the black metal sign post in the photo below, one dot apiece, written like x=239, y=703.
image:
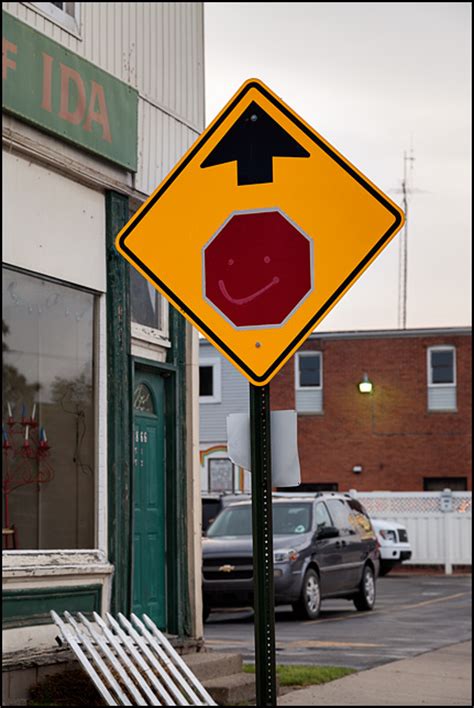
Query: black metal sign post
x=262, y=530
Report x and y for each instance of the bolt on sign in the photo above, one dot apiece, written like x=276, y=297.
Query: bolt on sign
x=258, y=231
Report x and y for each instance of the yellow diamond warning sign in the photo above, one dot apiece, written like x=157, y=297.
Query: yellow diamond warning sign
x=258, y=231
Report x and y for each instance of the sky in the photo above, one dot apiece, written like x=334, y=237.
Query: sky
x=378, y=81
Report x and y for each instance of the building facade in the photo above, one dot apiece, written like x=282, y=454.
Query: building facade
x=377, y=411
x=100, y=375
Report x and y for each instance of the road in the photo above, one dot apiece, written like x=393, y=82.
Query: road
x=412, y=615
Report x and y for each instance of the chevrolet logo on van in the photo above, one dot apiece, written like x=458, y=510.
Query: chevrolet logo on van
x=227, y=568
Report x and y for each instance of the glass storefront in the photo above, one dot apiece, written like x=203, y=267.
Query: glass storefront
x=48, y=414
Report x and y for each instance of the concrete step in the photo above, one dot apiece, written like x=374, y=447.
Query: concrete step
x=232, y=690
x=209, y=665
x=221, y=674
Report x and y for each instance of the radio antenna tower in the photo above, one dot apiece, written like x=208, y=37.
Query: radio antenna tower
x=408, y=161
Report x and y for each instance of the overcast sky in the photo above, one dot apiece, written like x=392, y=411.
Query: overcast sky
x=374, y=79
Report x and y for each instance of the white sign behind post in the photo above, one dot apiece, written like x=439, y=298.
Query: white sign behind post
x=284, y=445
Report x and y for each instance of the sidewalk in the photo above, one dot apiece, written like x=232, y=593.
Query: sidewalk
x=437, y=678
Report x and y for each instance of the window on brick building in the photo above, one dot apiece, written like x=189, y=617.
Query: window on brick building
x=309, y=382
x=441, y=373
x=437, y=484
x=312, y=487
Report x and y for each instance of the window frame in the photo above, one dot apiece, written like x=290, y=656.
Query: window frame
x=215, y=364
x=69, y=22
x=298, y=386
x=429, y=367
x=99, y=360
x=322, y=504
x=153, y=335
x=438, y=484
x=209, y=473
x=331, y=505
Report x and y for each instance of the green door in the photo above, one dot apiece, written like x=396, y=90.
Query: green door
x=149, y=551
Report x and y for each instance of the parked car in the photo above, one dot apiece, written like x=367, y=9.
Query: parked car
x=214, y=502
x=394, y=545
x=324, y=546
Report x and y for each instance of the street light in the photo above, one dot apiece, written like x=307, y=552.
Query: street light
x=365, y=386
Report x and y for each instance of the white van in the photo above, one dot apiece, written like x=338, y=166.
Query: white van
x=393, y=541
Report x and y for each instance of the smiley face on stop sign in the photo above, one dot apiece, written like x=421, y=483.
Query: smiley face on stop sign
x=257, y=268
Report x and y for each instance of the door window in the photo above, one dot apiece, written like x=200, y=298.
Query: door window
x=143, y=399
x=323, y=520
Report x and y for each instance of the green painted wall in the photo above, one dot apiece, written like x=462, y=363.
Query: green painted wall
x=31, y=607
x=179, y=609
x=120, y=427
x=119, y=406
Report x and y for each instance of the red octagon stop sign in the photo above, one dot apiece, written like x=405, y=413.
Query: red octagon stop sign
x=258, y=268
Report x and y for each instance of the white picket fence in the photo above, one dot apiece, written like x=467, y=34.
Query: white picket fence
x=438, y=523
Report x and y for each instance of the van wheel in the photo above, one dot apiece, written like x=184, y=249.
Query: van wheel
x=309, y=603
x=365, y=598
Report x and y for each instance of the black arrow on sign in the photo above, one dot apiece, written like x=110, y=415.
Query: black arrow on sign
x=253, y=141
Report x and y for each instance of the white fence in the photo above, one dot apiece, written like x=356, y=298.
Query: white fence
x=438, y=523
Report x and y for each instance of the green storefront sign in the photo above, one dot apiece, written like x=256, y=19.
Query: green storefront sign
x=56, y=90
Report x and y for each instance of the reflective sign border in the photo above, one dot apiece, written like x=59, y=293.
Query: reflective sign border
x=185, y=309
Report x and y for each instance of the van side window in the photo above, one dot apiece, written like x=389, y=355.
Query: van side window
x=340, y=514
x=323, y=520
x=360, y=519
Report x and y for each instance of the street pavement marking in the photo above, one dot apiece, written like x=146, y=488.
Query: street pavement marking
x=347, y=617
x=315, y=644
x=390, y=610
x=431, y=602
x=301, y=644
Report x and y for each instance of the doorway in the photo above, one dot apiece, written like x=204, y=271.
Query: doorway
x=149, y=498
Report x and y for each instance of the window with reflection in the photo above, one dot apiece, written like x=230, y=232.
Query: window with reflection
x=142, y=399
x=145, y=302
x=442, y=388
x=221, y=474
x=48, y=414
x=309, y=370
x=442, y=366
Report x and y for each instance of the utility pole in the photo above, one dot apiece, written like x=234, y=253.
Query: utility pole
x=403, y=252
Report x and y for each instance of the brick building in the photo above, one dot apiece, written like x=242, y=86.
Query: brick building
x=412, y=432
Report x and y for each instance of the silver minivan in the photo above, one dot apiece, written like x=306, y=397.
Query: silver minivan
x=324, y=546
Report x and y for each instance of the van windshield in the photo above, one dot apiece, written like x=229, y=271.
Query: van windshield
x=288, y=519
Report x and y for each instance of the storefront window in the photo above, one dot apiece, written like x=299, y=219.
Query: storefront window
x=48, y=414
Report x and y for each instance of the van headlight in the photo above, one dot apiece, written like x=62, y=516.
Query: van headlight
x=284, y=555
